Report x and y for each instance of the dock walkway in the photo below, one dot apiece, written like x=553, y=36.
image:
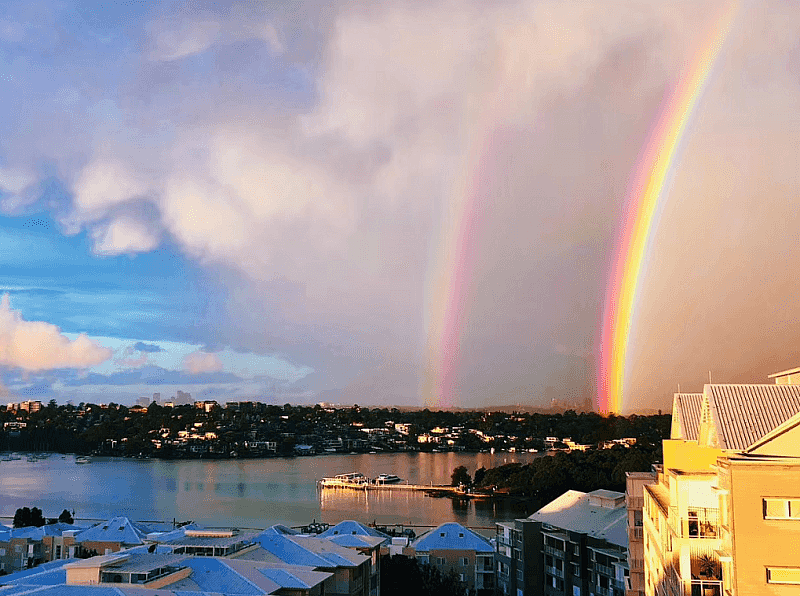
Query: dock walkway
x=366, y=486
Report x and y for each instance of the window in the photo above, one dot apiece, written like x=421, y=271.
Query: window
x=781, y=508
x=440, y=560
x=783, y=575
x=464, y=561
x=462, y=577
x=460, y=534
x=575, y=569
x=2, y=552
x=520, y=576
x=58, y=551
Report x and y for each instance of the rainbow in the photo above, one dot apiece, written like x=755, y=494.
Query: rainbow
x=648, y=188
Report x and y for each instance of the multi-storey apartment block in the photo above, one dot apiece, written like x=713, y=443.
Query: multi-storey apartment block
x=723, y=515
x=575, y=545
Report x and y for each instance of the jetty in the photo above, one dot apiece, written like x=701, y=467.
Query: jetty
x=356, y=481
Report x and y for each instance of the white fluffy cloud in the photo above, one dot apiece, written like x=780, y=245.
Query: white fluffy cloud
x=38, y=346
x=201, y=362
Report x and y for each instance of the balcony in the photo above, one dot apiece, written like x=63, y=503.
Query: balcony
x=554, y=571
x=706, y=587
x=557, y=552
x=700, y=522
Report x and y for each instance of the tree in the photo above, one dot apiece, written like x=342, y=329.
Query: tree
x=460, y=476
x=65, y=517
x=479, y=474
x=25, y=517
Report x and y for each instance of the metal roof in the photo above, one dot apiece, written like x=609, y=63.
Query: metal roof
x=573, y=511
x=351, y=527
x=117, y=529
x=686, y=409
x=452, y=536
x=743, y=414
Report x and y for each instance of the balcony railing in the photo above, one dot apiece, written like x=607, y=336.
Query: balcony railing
x=600, y=591
x=700, y=522
x=706, y=587
x=635, y=533
x=554, y=571
x=554, y=551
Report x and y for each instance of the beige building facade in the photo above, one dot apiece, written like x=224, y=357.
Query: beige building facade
x=722, y=516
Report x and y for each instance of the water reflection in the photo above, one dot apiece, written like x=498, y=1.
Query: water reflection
x=249, y=493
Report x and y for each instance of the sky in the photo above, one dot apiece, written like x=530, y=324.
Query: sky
x=388, y=203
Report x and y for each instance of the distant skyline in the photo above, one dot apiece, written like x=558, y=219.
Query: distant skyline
x=392, y=203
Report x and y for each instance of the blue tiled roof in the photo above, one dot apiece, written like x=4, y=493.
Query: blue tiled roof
x=214, y=576
x=118, y=529
x=452, y=536
x=351, y=527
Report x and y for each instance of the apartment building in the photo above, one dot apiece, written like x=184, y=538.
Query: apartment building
x=576, y=545
x=723, y=514
x=452, y=547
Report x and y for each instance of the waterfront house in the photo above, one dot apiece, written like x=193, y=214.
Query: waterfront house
x=452, y=547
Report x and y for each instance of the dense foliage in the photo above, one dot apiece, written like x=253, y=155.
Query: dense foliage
x=546, y=478
x=401, y=576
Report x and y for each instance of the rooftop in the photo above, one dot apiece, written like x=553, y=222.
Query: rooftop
x=743, y=414
x=576, y=511
x=452, y=536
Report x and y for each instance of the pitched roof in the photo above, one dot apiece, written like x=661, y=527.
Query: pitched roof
x=117, y=529
x=351, y=527
x=743, y=414
x=297, y=549
x=575, y=511
x=686, y=415
x=452, y=536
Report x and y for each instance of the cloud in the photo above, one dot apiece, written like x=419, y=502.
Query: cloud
x=151, y=375
x=201, y=362
x=320, y=164
x=143, y=347
x=124, y=235
x=38, y=346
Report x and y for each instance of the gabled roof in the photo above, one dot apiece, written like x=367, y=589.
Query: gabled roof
x=574, y=511
x=117, y=529
x=743, y=414
x=452, y=536
x=686, y=415
x=351, y=527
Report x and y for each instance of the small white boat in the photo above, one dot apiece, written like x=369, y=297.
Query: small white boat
x=388, y=479
x=82, y=460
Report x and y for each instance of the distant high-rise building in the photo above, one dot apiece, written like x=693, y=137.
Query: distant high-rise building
x=156, y=398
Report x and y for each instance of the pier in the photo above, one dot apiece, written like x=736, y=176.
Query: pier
x=367, y=486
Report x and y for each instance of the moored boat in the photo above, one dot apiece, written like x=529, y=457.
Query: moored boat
x=387, y=479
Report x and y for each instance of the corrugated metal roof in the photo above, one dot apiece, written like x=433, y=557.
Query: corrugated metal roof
x=743, y=414
x=687, y=408
x=452, y=536
x=351, y=527
x=45, y=568
x=212, y=575
x=117, y=529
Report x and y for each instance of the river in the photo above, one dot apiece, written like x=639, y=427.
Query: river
x=250, y=493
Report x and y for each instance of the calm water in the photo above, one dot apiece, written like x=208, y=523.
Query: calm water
x=249, y=493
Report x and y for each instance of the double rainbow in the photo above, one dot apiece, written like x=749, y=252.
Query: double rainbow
x=647, y=190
